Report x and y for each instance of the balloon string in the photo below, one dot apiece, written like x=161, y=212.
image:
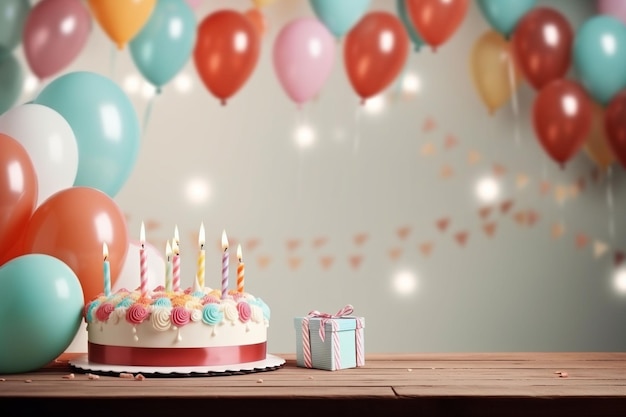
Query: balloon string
x=514, y=100
x=148, y=112
x=357, y=127
x=300, y=123
x=609, y=202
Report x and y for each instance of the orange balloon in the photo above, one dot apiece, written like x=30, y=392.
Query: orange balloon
x=596, y=144
x=436, y=20
x=262, y=3
x=121, y=20
x=258, y=20
x=495, y=75
x=72, y=225
x=375, y=51
x=18, y=191
x=227, y=51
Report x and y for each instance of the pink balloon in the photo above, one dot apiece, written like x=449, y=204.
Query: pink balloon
x=615, y=8
x=55, y=32
x=194, y=3
x=304, y=54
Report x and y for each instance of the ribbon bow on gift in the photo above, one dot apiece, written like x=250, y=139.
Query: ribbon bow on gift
x=346, y=311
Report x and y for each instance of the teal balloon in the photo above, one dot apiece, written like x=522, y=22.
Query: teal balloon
x=105, y=125
x=339, y=16
x=13, y=14
x=165, y=43
x=599, y=53
x=41, y=306
x=503, y=16
x=416, y=39
x=11, y=81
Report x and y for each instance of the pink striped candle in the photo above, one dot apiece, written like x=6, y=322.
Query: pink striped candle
x=143, y=262
x=224, y=265
x=175, y=266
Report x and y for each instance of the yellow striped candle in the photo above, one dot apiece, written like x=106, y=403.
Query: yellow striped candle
x=201, y=257
x=240, y=270
x=168, y=267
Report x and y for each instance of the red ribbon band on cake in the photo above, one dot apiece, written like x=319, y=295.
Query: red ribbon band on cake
x=345, y=312
x=164, y=357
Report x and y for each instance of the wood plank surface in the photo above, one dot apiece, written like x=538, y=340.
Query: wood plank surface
x=438, y=384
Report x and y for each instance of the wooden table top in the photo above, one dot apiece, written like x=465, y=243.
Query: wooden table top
x=437, y=384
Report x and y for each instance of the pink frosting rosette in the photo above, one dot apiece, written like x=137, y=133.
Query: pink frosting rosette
x=180, y=316
x=104, y=311
x=136, y=314
x=210, y=299
x=244, y=311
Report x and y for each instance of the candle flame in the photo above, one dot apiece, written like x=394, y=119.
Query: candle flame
x=168, y=250
x=105, y=251
x=201, y=236
x=239, y=253
x=224, y=240
x=142, y=235
x=176, y=238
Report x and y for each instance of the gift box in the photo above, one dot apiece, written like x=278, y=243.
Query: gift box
x=330, y=342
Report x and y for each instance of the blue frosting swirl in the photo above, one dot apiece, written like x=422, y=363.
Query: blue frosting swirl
x=212, y=315
x=93, y=306
x=126, y=302
x=162, y=302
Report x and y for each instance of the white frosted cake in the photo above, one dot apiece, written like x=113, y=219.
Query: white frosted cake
x=194, y=327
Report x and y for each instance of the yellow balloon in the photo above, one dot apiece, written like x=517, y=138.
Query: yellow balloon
x=495, y=75
x=262, y=3
x=596, y=144
x=121, y=20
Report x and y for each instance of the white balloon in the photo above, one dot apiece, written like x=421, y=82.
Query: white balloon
x=130, y=276
x=50, y=142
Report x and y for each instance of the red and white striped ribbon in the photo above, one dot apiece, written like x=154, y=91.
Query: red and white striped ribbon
x=306, y=343
x=346, y=311
x=360, y=348
x=336, y=347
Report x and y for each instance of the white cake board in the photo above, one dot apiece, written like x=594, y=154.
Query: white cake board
x=270, y=363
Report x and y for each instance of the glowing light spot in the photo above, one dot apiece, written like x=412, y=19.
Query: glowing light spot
x=30, y=83
x=147, y=90
x=315, y=47
x=68, y=25
x=304, y=136
x=175, y=28
x=619, y=281
x=386, y=41
x=183, y=83
x=608, y=44
x=487, y=189
x=405, y=282
x=375, y=105
x=16, y=177
x=197, y=190
x=411, y=83
x=551, y=35
x=132, y=83
x=241, y=42
x=570, y=105
x=111, y=122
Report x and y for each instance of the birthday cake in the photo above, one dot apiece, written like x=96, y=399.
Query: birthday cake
x=172, y=327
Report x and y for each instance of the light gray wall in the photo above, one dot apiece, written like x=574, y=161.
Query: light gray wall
x=521, y=289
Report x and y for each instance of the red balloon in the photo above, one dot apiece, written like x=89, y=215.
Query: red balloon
x=18, y=191
x=72, y=225
x=542, y=45
x=436, y=20
x=375, y=51
x=615, y=126
x=55, y=32
x=562, y=116
x=226, y=52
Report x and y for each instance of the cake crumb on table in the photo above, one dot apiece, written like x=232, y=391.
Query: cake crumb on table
x=311, y=377
x=92, y=376
x=126, y=375
x=139, y=377
x=2, y=379
x=68, y=376
x=409, y=370
x=561, y=374
x=28, y=381
x=259, y=381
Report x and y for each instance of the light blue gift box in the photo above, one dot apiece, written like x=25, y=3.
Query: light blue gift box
x=351, y=352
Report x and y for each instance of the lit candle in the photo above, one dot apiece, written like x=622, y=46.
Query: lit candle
x=201, y=258
x=176, y=266
x=143, y=262
x=224, y=265
x=106, y=269
x=240, y=270
x=168, y=267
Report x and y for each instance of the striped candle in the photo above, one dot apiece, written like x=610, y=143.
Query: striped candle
x=143, y=262
x=241, y=268
x=201, y=258
x=106, y=269
x=168, y=267
x=224, y=265
x=175, y=266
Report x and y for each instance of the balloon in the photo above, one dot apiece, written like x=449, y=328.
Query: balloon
x=160, y=52
x=130, y=273
x=375, y=51
x=55, y=32
x=121, y=20
x=437, y=20
x=304, y=55
x=104, y=122
x=50, y=142
x=226, y=52
x=258, y=20
x=615, y=8
x=542, y=45
x=615, y=126
x=417, y=40
x=600, y=56
x=194, y=3
x=596, y=143
x=18, y=188
x=11, y=81
x=562, y=116
x=41, y=305
x=339, y=16
x=503, y=16
x=72, y=225
x=14, y=251
x=495, y=75
x=13, y=14
x=262, y=3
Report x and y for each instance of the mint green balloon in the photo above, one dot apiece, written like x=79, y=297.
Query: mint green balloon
x=165, y=43
x=13, y=14
x=105, y=125
x=504, y=15
x=41, y=304
x=599, y=53
x=11, y=80
x=340, y=16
